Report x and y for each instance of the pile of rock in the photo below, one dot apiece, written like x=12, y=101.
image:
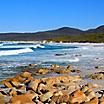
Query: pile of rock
x=24, y=89
x=97, y=75
x=64, y=89
x=64, y=70
x=55, y=69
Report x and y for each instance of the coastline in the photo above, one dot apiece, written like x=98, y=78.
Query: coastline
x=92, y=77
x=47, y=88
x=61, y=42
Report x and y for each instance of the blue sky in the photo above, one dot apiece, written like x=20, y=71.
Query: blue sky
x=38, y=15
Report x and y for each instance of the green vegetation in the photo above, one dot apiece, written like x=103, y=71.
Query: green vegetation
x=65, y=34
x=98, y=38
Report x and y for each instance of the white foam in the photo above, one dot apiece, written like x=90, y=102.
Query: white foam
x=39, y=46
x=15, y=52
x=84, y=48
x=1, y=44
x=74, y=60
x=64, y=60
x=24, y=46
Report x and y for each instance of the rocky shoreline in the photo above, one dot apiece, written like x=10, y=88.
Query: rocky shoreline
x=29, y=88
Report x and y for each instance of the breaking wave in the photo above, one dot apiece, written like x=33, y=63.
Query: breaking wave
x=22, y=46
x=64, y=60
x=15, y=52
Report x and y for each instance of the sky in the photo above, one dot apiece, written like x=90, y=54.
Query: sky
x=40, y=15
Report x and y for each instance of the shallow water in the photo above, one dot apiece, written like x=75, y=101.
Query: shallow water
x=83, y=56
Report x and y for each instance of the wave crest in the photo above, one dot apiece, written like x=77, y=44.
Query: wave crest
x=15, y=52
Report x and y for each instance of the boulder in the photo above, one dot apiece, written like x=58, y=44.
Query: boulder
x=42, y=88
x=70, y=67
x=97, y=75
x=32, y=65
x=60, y=97
x=25, y=74
x=41, y=71
x=55, y=67
x=34, y=84
x=12, y=92
x=2, y=99
x=84, y=88
x=102, y=100
x=46, y=96
x=20, y=78
x=93, y=85
x=7, y=84
x=77, y=97
x=63, y=71
x=77, y=71
x=92, y=101
x=23, y=99
x=14, y=81
x=90, y=95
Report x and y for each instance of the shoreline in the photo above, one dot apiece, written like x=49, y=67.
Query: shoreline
x=87, y=43
x=31, y=81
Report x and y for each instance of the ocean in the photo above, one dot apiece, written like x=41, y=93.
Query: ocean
x=83, y=56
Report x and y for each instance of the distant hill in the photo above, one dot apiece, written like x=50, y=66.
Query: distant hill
x=65, y=34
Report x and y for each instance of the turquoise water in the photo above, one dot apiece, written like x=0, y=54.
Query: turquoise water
x=83, y=56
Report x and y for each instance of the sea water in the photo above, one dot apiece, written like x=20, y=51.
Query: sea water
x=84, y=56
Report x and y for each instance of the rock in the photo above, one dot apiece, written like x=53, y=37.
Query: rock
x=70, y=67
x=23, y=89
x=97, y=67
x=4, y=91
x=61, y=79
x=101, y=93
x=41, y=71
x=20, y=78
x=7, y=99
x=14, y=82
x=31, y=94
x=52, y=102
x=55, y=66
x=97, y=76
x=37, y=102
x=25, y=74
x=60, y=97
x=102, y=100
x=42, y=88
x=92, y=101
x=77, y=71
x=77, y=97
x=2, y=100
x=72, y=87
x=46, y=96
x=63, y=71
x=93, y=85
x=22, y=99
x=90, y=94
x=32, y=65
x=34, y=84
x=7, y=84
x=27, y=81
x=84, y=88
x=77, y=55
x=12, y=92
x=60, y=54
